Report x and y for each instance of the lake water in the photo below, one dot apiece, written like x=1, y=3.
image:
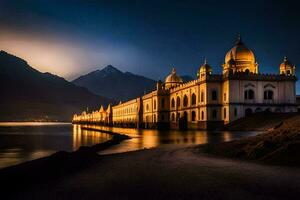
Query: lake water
x=20, y=142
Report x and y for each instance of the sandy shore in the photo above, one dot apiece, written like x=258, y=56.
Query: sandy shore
x=169, y=172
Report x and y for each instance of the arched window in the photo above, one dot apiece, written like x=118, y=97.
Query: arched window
x=162, y=103
x=173, y=117
x=225, y=113
x=268, y=95
x=214, y=114
x=214, y=95
x=147, y=107
x=154, y=105
x=154, y=118
x=202, y=115
x=202, y=96
x=177, y=116
x=173, y=103
x=249, y=94
x=185, y=101
x=248, y=111
x=193, y=116
x=194, y=99
x=247, y=71
x=258, y=110
x=178, y=102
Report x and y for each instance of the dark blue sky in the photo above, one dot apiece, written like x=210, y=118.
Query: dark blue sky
x=147, y=37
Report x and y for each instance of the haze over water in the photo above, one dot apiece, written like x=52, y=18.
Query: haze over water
x=20, y=142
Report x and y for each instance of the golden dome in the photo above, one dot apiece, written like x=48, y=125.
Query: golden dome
x=240, y=53
x=286, y=64
x=205, y=68
x=173, y=78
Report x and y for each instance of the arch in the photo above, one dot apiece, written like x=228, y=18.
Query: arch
x=249, y=94
x=214, y=95
x=178, y=102
x=194, y=99
x=258, y=110
x=193, y=116
x=235, y=112
x=214, y=113
x=268, y=94
x=185, y=101
x=183, y=122
x=278, y=110
x=173, y=117
x=248, y=111
x=172, y=103
x=177, y=116
x=247, y=71
x=162, y=103
x=268, y=110
x=147, y=107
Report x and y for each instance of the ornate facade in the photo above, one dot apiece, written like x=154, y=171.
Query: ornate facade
x=211, y=100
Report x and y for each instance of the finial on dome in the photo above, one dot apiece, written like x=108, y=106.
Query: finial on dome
x=173, y=70
x=239, y=39
x=205, y=61
x=285, y=59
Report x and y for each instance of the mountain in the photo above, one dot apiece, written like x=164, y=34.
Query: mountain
x=27, y=94
x=113, y=83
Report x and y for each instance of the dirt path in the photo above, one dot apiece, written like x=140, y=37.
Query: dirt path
x=173, y=172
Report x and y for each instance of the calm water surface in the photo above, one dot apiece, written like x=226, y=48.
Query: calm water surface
x=20, y=142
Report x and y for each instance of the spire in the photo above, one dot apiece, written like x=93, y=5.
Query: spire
x=205, y=61
x=239, y=39
x=173, y=70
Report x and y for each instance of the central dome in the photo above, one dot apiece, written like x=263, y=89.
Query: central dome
x=240, y=53
x=173, y=80
x=240, y=59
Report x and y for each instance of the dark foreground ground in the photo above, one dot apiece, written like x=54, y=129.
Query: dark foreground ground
x=280, y=145
x=168, y=173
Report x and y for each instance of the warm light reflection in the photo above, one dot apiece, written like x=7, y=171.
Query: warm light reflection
x=227, y=136
x=87, y=137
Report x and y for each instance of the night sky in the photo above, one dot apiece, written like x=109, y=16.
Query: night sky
x=70, y=38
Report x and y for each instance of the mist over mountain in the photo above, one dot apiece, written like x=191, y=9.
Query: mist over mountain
x=113, y=83
x=27, y=94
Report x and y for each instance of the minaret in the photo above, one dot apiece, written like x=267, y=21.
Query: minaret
x=287, y=68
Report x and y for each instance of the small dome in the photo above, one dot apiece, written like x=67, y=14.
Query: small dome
x=286, y=64
x=205, y=68
x=240, y=53
x=173, y=78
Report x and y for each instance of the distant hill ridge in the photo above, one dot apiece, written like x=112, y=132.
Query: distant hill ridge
x=27, y=94
x=113, y=83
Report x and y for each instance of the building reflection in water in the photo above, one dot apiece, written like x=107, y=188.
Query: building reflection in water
x=83, y=137
x=147, y=138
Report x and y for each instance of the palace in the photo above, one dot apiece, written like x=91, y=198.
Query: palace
x=211, y=100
